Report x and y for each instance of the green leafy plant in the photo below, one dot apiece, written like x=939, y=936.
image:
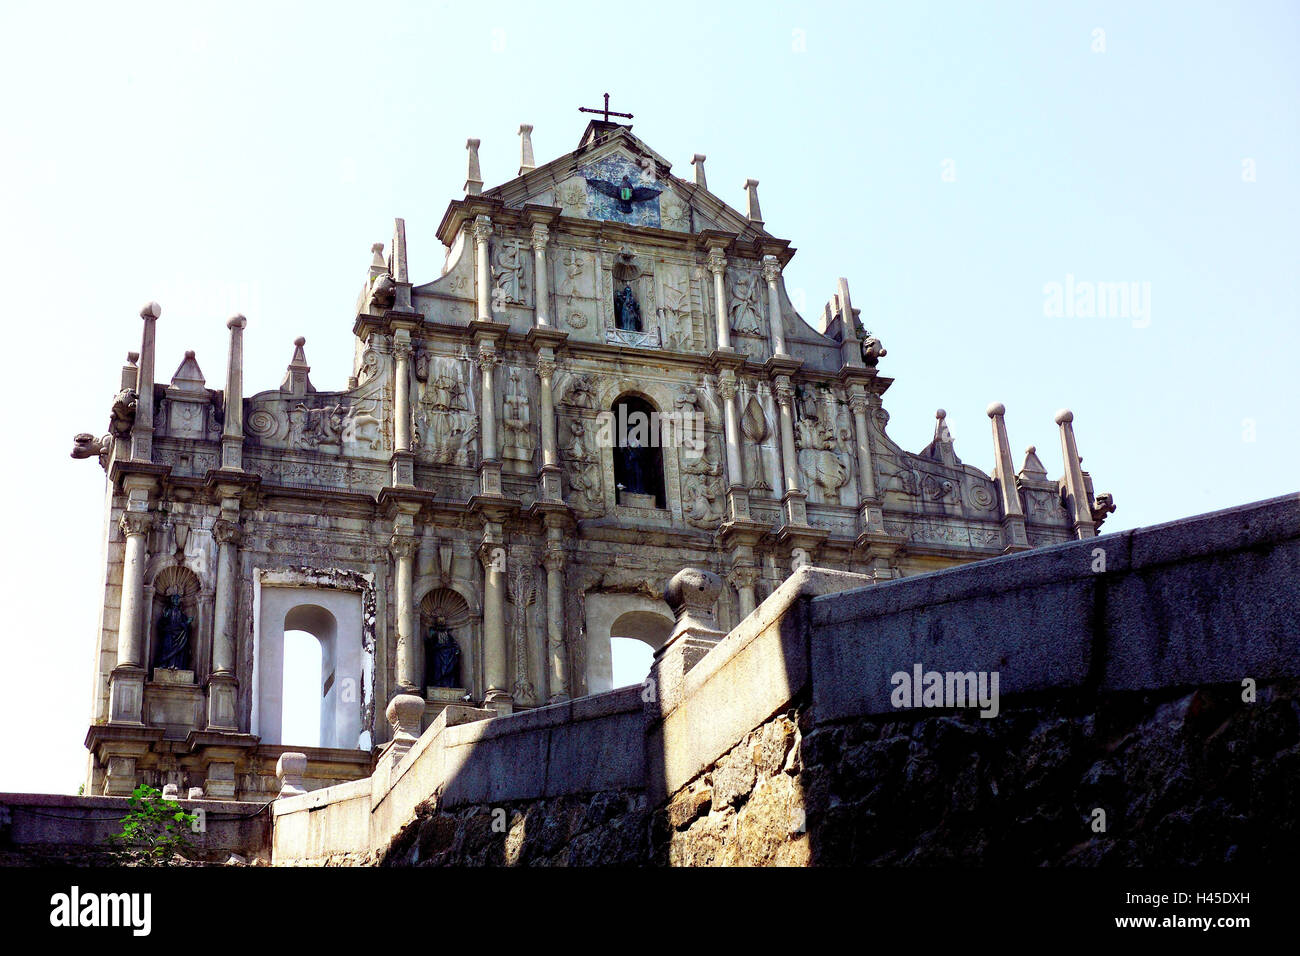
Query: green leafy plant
x=155, y=830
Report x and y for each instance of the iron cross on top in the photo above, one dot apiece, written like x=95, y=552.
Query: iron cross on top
x=607, y=111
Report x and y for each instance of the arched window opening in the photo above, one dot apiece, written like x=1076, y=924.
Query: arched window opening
x=631, y=660
x=302, y=690
x=326, y=685
x=638, y=453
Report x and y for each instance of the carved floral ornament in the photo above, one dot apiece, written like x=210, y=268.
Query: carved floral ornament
x=135, y=522
x=403, y=546
x=226, y=532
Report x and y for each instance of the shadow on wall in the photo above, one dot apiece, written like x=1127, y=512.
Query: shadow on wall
x=1146, y=711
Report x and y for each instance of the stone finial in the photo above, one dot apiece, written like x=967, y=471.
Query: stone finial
x=377, y=260
x=851, y=351
x=1033, y=468
x=397, y=252
x=1013, y=520
x=1078, y=500
x=474, y=178
x=526, y=163
x=698, y=162
x=171, y=791
x=232, y=430
x=941, y=447
x=296, y=380
x=754, y=214
x=692, y=593
x=188, y=378
x=289, y=770
x=142, y=429
x=130, y=371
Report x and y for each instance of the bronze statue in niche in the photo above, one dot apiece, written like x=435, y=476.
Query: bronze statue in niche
x=174, y=635
x=441, y=656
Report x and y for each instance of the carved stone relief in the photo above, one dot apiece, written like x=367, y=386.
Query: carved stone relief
x=586, y=489
x=445, y=424
x=517, y=441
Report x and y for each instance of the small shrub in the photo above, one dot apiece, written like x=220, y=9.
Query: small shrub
x=155, y=830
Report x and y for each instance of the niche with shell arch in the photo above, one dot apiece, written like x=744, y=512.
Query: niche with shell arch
x=452, y=607
x=170, y=580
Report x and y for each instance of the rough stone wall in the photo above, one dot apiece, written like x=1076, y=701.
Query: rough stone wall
x=601, y=829
x=1185, y=777
x=747, y=810
x=41, y=829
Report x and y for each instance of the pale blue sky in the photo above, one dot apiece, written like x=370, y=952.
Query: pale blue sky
x=243, y=157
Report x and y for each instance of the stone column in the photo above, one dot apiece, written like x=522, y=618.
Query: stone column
x=142, y=430
x=771, y=272
x=496, y=660
x=1080, y=507
x=223, y=629
x=873, y=518
x=789, y=464
x=553, y=561
x=402, y=390
x=487, y=362
x=1013, y=515
x=232, y=432
x=744, y=578
x=126, y=683
x=540, y=237
x=737, y=492
x=135, y=527
x=482, y=232
x=731, y=425
x=550, y=485
x=222, y=685
x=404, y=548
x=550, y=448
x=795, y=501
x=718, y=266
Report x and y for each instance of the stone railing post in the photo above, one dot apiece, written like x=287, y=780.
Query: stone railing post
x=692, y=593
x=404, y=713
x=289, y=770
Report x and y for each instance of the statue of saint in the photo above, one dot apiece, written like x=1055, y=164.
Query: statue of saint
x=174, y=635
x=633, y=467
x=627, y=313
x=441, y=656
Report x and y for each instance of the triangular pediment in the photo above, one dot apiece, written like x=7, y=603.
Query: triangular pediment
x=618, y=178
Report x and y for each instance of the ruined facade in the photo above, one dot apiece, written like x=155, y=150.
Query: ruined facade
x=473, y=504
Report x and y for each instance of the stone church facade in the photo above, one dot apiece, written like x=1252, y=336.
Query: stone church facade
x=607, y=383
